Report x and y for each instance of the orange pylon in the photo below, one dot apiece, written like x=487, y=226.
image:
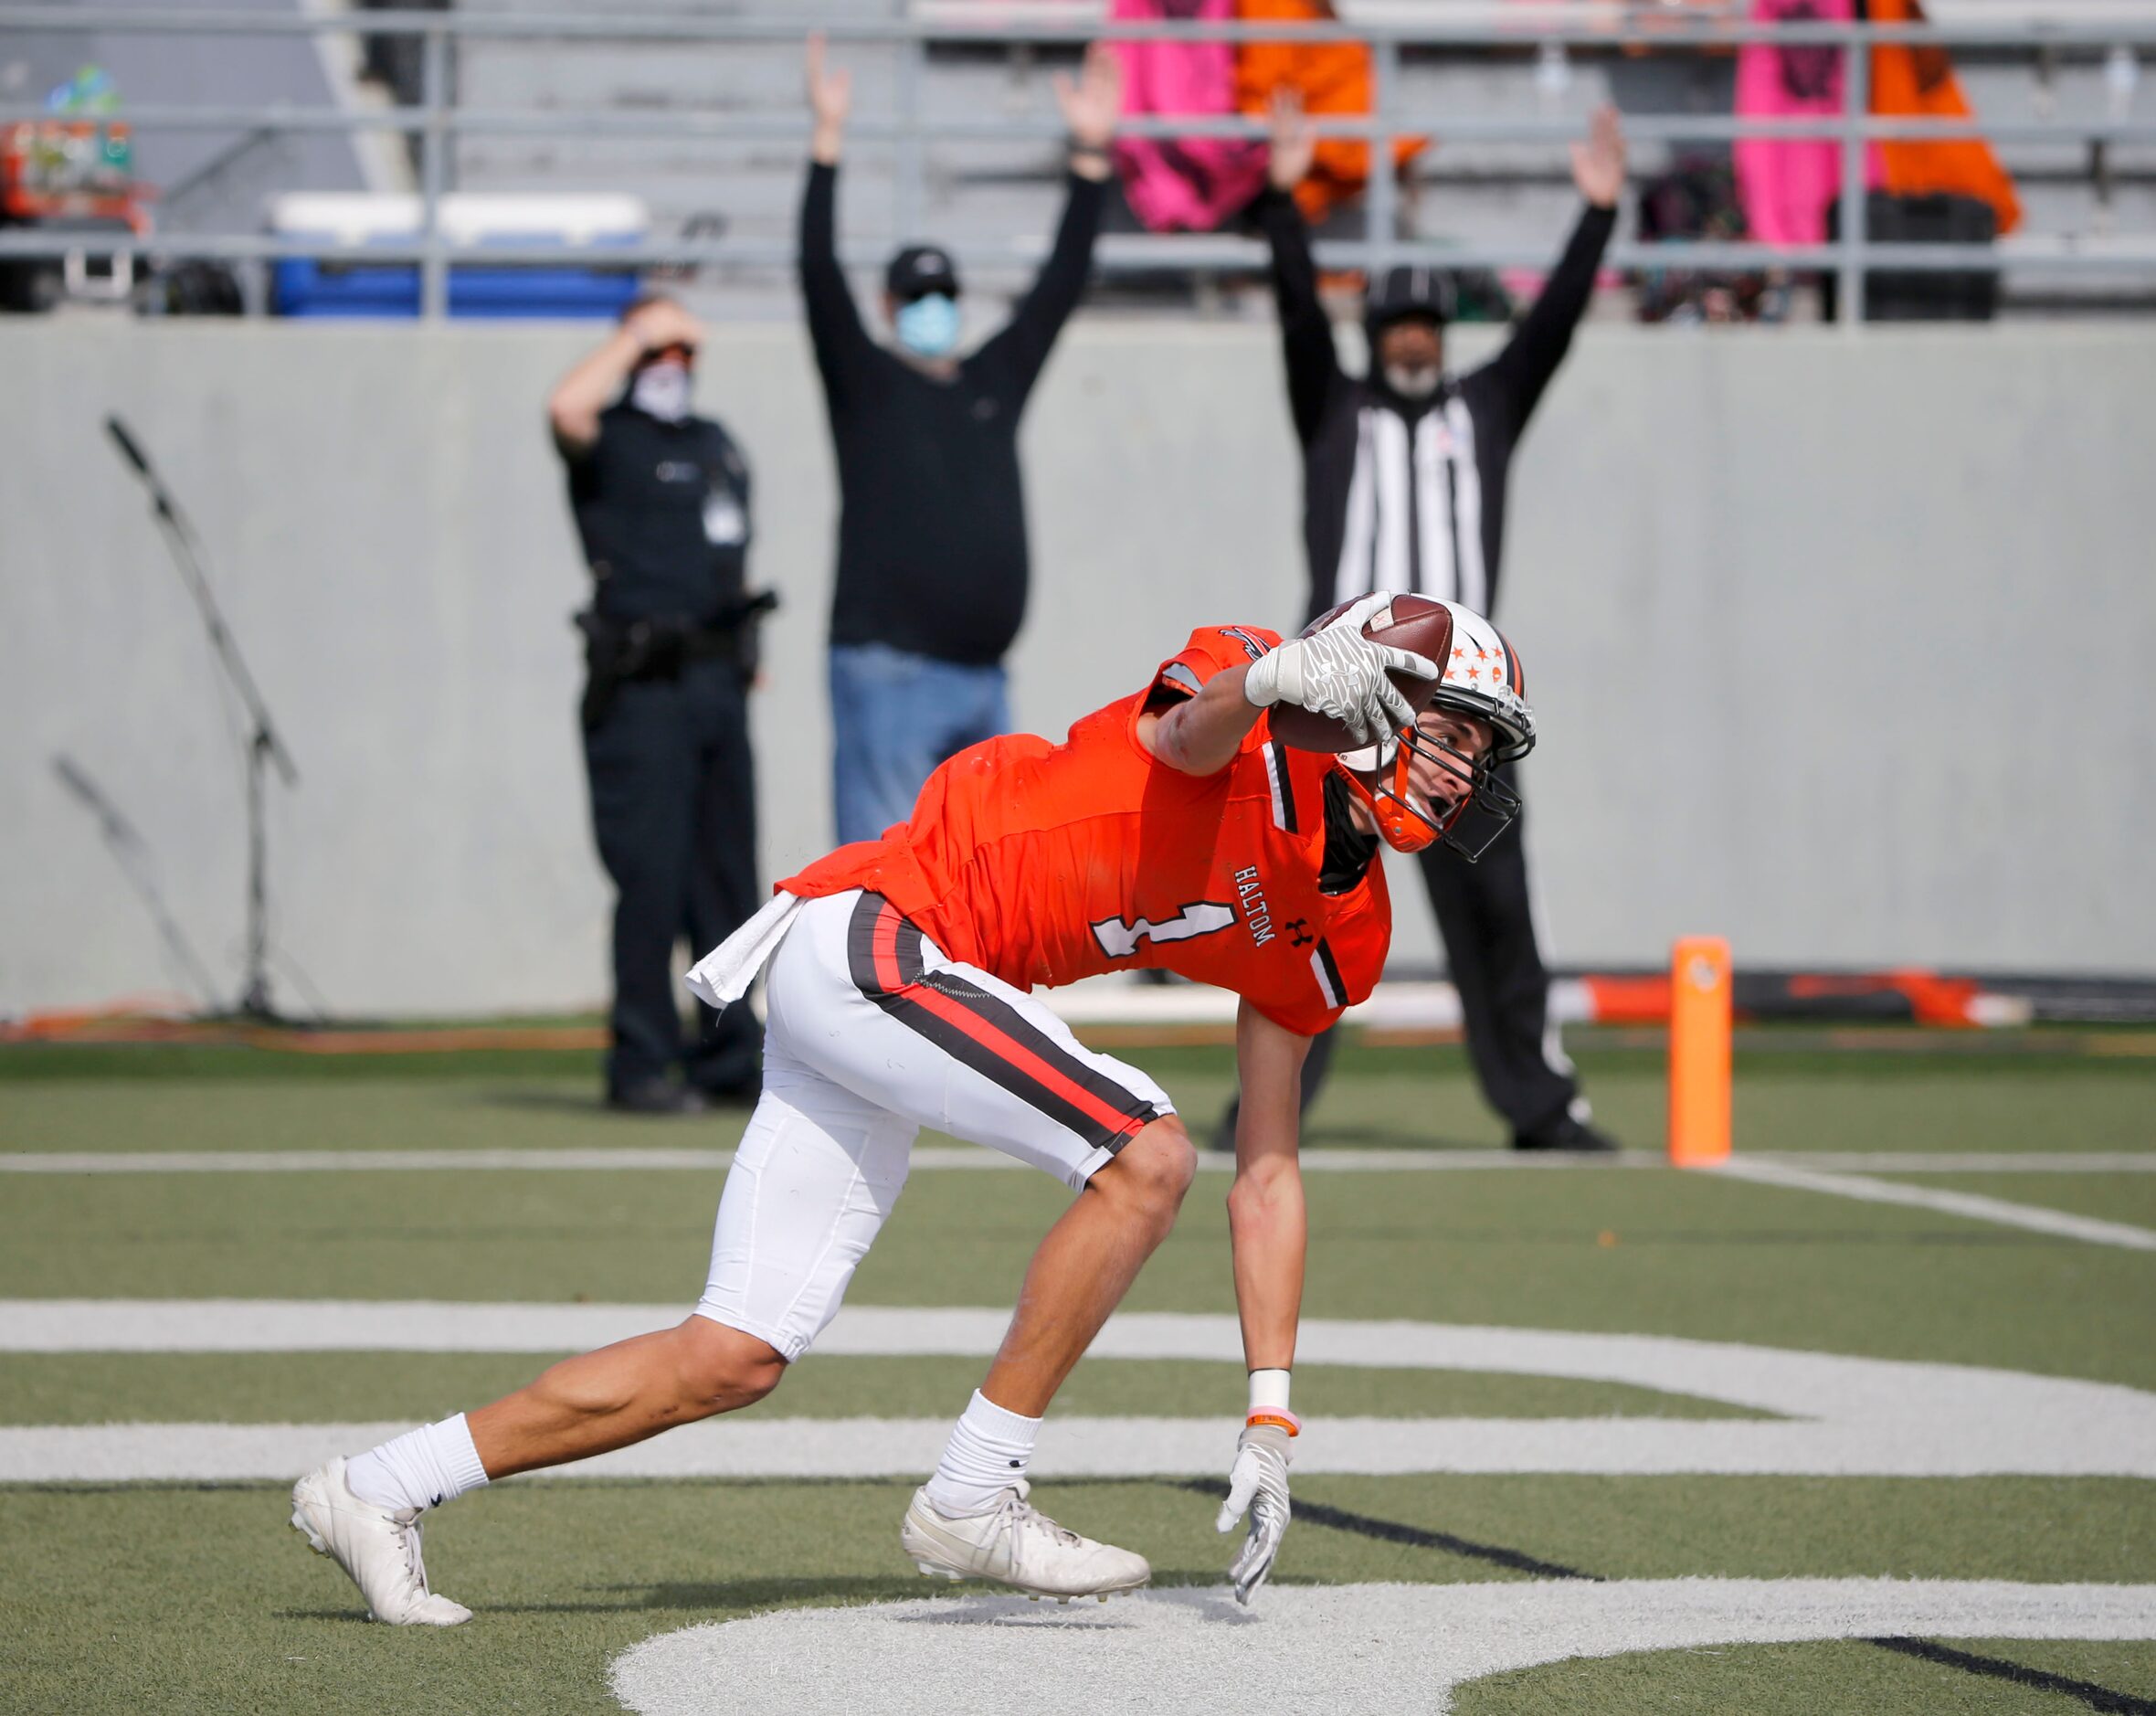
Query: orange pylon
x=1700, y=988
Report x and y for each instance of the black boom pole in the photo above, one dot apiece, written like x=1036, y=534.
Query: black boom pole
x=264, y=748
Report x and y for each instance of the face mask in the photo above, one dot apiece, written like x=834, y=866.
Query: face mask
x=1413, y=383
x=928, y=326
x=661, y=390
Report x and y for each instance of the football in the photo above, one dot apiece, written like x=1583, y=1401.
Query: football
x=1412, y=622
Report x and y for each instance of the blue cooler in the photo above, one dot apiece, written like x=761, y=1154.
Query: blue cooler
x=308, y=288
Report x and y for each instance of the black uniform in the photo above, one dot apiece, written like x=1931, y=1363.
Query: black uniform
x=1404, y=495
x=663, y=511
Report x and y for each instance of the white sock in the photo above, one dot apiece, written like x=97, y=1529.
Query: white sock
x=421, y=1469
x=988, y=1453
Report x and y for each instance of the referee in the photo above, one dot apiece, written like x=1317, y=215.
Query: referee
x=1404, y=473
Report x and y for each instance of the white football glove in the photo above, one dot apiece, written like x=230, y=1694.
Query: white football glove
x=1257, y=1482
x=1341, y=673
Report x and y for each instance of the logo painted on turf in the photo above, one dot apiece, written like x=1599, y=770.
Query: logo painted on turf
x=1251, y=896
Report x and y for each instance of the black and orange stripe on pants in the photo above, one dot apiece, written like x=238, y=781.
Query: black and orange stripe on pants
x=985, y=1032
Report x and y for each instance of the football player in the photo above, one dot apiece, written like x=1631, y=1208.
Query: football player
x=1170, y=828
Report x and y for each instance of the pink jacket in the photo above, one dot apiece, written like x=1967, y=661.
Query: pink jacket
x=1786, y=186
x=1183, y=183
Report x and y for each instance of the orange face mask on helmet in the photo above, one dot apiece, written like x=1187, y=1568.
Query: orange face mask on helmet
x=1409, y=823
x=1482, y=678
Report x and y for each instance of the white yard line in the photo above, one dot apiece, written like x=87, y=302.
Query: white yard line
x=1963, y=1162
x=1325, y=1648
x=1070, y=1448
x=362, y=1162
x=932, y=1157
x=1970, y=1204
x=1839, y=1416
x=928, y=1157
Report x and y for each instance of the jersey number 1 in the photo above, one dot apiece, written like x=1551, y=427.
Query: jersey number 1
x=1119, y=940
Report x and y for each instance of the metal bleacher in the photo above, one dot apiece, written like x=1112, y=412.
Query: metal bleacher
x=556, y=96
x=1506, y=194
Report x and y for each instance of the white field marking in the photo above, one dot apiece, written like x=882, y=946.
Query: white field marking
x=1836, y=1415
x=932, y=1157
x=1963, y=1162
x=355, y=1161
x=1316, y=1647
x=1968, y=1204
x=929, y=1157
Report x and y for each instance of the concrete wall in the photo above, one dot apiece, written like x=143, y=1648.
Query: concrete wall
x=1841, y=646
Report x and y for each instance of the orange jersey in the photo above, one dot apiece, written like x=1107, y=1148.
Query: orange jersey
x=1043, y=864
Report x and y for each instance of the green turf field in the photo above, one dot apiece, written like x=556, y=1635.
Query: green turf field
x=122, y=1594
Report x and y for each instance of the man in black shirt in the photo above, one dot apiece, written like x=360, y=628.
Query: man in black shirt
x=932, y=531
x=1404, y=472
x=662, y=501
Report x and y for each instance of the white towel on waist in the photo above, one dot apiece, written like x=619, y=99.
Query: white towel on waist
x=724, y=974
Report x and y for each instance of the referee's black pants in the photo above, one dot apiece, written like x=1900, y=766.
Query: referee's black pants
x=1483, y=914
x=673, y=804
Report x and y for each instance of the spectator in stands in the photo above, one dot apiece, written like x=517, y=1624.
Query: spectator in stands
x=932, y=534
x=1334, y=79
x=661, y=501
x=1182, y=184
x=1404, y=476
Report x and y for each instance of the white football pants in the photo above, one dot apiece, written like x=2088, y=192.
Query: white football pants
x=872, y=1033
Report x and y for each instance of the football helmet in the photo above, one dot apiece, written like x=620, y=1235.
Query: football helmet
x=1481, y=677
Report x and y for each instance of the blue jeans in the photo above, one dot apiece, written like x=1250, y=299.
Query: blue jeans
x=895, y=716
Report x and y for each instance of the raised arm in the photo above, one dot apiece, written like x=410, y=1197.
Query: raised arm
x=1517, y=375
x=1269, y=1229
x=572, y=409
x=1090, y=104
x=1306, y=332
x=834, y=321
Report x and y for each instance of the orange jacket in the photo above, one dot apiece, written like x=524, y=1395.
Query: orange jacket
x=1919, y=83
x=1334, y=79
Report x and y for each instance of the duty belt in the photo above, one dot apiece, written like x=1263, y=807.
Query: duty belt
x=619, y=653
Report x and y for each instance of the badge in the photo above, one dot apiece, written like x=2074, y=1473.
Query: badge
x=725, y=526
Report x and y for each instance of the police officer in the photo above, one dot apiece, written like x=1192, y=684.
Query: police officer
x=661, y=501
x=1404, y=476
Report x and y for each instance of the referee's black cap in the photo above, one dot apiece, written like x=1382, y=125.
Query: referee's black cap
x=1415, y=291
x=920, y=270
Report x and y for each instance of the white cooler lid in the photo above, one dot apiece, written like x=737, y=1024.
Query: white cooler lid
x=467, y=218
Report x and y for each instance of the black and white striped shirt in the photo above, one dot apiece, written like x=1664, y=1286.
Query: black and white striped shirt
x=1410, y=495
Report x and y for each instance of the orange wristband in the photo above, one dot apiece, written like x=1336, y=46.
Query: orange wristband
x=1278, y=1416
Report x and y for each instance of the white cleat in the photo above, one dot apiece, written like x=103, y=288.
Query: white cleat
x=380, y=1550
x=1017, y=1545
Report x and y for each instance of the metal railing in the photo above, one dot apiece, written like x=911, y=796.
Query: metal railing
x=439, y=118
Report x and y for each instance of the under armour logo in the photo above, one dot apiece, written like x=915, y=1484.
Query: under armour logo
x=1299, y=930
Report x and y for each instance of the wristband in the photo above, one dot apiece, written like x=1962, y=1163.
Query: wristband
x=1268, y=1401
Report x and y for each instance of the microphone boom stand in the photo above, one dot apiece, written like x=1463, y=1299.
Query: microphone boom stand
x=264, y=748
